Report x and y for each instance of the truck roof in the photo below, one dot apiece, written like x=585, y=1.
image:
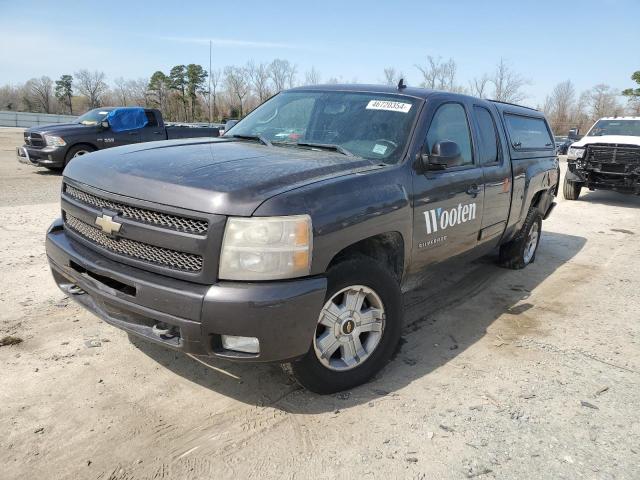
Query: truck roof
x=416, y=92
x=619, y=118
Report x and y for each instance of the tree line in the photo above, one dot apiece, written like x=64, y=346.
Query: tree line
x=187, y=93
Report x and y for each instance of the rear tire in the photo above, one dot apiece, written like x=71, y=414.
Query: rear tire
x=77, y=151
x=521, y=251
x=571, y=190
x=342, y=354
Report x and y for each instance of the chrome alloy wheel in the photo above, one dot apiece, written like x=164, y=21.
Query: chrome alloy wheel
x=349, y=328
x=532, y=244
x=79, y=153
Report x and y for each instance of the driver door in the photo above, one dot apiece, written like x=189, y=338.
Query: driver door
x=447, y=204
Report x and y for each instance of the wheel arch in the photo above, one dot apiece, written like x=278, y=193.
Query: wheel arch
x=78, y=144
x=388, y=248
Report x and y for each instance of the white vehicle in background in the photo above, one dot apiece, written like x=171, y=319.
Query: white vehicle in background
x=606, y=158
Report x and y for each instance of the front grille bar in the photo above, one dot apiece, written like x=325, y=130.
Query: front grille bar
x=164, y=257
x=143, y=215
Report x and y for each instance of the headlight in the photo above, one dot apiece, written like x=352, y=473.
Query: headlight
x=575, y=152
x=266, y=248
x=53, y=141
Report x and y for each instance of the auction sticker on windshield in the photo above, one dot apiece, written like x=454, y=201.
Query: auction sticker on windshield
x=389, y=106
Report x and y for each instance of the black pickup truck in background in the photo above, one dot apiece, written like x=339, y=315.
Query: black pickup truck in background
x=52, y=146
x=291, y=238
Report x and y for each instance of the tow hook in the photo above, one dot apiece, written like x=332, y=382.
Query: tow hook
x=72, y=289
x=164, y=331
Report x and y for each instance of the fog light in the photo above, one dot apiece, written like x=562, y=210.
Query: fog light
x=241, y=344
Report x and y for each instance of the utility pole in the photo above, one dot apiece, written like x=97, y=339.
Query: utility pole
x=210, y=49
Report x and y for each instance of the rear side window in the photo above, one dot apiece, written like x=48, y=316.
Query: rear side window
x=528, y=132
x=151, y=118
x=488, y=136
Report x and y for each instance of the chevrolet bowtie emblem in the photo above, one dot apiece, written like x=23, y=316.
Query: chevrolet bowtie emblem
x=108, y=225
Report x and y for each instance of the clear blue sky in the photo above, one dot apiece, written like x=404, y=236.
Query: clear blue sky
x=587, y=41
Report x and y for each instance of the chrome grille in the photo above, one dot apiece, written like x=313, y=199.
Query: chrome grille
x=164, y=220
x=164, y=257
x=33, y=140
x=613, y=153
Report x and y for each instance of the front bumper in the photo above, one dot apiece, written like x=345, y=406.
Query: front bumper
x=594, y=177
x=282, y=315
x=52, y=157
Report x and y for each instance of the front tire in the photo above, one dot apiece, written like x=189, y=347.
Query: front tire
x=522, y=249
x=571, y=190
x=77, y=151
x=358, y=328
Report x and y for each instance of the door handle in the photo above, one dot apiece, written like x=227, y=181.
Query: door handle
x=157, y=133
x=133, y=133
x=473, y=190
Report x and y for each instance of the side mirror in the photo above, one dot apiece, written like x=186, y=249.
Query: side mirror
x=105, y=124
x=444, y=154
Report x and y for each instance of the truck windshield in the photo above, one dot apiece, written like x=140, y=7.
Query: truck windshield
x=368, y=125
x=615, y=127
x=93, y=117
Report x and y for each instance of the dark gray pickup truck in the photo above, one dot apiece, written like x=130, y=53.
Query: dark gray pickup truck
x=290, y=238
x=53, y=146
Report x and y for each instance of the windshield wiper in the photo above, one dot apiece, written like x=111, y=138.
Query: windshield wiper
x=327, y=146
x=260, y=138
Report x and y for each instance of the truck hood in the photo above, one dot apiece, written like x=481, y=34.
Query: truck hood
x=61, y=129
x=612, y=139
x=220, y=176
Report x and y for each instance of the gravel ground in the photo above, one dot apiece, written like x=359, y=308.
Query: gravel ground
x=501, y=374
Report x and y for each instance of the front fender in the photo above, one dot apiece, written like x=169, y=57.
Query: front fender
x=348, y=209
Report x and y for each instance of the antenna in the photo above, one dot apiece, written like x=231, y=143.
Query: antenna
x=209, y=100
x=401, y=84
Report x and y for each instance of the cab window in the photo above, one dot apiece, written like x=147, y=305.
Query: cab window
x=450, y=124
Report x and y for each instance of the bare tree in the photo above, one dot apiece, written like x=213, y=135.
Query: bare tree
x=508, y=84
x=121, y=91
x=479, y=87
x=603, y=102
x=282, y=73
x=312, y=77
x=214, y=81
x=92, y=85
x=237, y=84
x=40, y=91
x=439, y=75
x=560, y=106
x=137, y=92
x=581, y=116
x=259, y=76
x=392, y=76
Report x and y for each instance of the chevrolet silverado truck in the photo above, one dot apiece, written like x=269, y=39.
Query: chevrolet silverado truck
x=53, y=146
x=290, y=238
x=606, y=158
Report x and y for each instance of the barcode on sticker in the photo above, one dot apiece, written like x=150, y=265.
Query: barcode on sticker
x=389, y=106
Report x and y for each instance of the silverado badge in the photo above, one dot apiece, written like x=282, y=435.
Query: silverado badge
x=107, y=224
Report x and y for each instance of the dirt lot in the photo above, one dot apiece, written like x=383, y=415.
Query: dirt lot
x=501, y=374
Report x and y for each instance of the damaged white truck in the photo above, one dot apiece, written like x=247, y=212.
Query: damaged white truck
x=606, y=158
